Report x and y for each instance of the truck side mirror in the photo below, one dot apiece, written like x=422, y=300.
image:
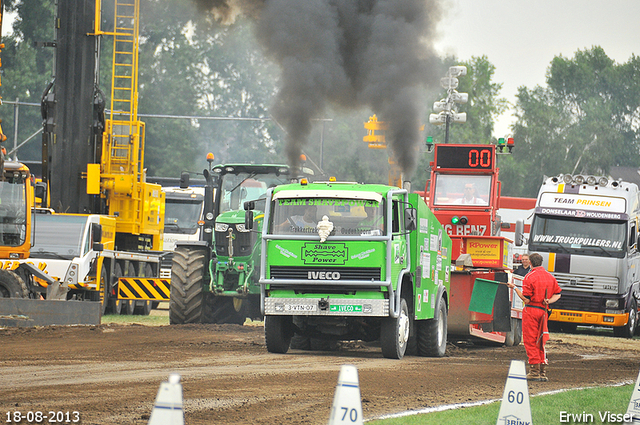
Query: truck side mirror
x=96, y=231
x=96, y=234
x=248, y=219
x=41, y=190
x=519, y=237
x=184, y=180
x=410, y=219
x=249, y=206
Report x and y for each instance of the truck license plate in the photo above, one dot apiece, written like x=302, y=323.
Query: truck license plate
x=299, y=307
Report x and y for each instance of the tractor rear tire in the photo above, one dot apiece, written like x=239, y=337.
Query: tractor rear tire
x=432, y=333
x=12, y=285
x=278, y=331
x=187, y=277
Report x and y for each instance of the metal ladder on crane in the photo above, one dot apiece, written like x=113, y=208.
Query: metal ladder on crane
x=126, y=131
x=123, y=141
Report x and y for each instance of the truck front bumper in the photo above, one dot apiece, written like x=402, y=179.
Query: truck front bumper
x=326, y=307
x=589, y=318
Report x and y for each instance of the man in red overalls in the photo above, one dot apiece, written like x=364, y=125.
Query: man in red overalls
x=539, y=289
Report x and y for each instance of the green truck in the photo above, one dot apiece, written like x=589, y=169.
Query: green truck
x=348, y=261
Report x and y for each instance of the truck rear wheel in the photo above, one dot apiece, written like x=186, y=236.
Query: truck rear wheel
x=278, y=331
x=432, y=333
x=394, y=333
x=187, y=294
x=12, y=285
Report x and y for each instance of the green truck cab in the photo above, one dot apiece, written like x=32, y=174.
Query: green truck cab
x=348, y=261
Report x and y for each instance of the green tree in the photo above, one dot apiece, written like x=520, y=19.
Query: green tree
x=26, y=71
x=584, y=121
x=190, y=66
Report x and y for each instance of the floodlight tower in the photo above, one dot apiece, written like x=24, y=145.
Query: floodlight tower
x=445, y=107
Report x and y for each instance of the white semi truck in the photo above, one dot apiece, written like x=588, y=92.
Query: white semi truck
x=586, y=229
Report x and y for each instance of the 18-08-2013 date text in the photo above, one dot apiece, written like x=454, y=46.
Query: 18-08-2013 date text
x=42, y=417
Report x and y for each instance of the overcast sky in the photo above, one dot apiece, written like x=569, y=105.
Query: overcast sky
x=520, y=38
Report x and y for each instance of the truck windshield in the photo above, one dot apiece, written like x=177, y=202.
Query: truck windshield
x=13, y=212
x=242, y=187
x=571, y=236
x=462, y=190
x=182, y=215
x=58, y=236
x=350, y=217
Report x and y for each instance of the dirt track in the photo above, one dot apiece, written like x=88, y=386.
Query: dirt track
x=111, y=373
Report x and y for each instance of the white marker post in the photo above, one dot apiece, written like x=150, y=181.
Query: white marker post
x=515, y=407
x=167, y=409
x=633, y=411
x=347, y=405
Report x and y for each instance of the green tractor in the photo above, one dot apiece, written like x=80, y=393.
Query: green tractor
x=215, y=279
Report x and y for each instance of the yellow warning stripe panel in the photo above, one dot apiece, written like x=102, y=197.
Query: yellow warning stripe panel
x=143, y=288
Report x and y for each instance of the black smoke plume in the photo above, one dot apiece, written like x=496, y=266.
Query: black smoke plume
x=349, y=53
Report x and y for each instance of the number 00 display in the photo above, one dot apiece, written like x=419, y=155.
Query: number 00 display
x=465, y=157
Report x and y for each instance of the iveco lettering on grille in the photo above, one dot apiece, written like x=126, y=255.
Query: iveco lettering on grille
x=323, y=275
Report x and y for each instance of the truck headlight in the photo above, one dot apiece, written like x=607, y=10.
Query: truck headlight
x=222, y=227
x=612, y=303
x=240, y=228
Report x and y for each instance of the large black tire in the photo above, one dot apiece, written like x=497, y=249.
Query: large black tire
x=187, y=277
x=394, y=333
x=116, y=305
x=12, y=285
x=629, y=329
x=278, y=331
x=432, y=333
x=104, y=284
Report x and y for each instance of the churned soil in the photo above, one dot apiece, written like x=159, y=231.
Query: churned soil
x=111, y=373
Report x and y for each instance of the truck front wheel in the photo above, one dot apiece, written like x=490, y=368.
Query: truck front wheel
x=432, y=333
x=278, y=331
x=394, y=333
x=187, y=276
x=629, y=329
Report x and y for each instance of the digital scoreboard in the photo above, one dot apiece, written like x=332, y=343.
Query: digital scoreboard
x=469, y=157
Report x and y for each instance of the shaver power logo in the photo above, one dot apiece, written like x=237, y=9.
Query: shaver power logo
x=315, y=253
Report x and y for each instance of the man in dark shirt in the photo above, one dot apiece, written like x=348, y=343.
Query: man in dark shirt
x=525, y=267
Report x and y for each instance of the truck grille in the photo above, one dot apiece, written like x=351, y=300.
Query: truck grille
x=345, y=273
x=587, y=283
x=579, y=302
x=243, y=243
